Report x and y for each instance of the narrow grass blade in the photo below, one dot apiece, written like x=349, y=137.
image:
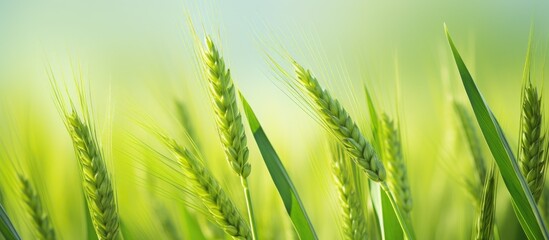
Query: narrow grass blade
x=6, y=228
x=524, y=204
x=292, y=203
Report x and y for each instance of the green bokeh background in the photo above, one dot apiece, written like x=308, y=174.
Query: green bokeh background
x=138, y=57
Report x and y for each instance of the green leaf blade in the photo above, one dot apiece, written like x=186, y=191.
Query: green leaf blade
x=6, y=227
x=524, y=204
x=288, y=193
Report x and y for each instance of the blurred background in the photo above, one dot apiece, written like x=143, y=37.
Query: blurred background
x=138, y=58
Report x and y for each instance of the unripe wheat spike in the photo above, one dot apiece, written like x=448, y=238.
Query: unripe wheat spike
x=339, y=123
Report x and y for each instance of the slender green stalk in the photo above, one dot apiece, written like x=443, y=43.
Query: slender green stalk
x=532, y=158
x=38, y=216
x=339, y=123
x=487, y=209
x=251, y=215
x=228, y=119
x=354, y=221
x=97, y=184
x=397, y=174
x=205, y=187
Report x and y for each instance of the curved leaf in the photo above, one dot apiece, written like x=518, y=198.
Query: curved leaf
x=523, y=202
x=6, y=227
x=286, y=190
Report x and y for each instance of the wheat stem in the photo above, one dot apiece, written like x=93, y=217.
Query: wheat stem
x=249, y=206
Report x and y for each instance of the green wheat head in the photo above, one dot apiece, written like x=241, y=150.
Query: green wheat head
x=38, y=216
x=486, y=215
x=354, y=220
x=204, y=186
x=97, y=184
x=532, y=159
x=397, y=174
x=227, y=116
x=340, y=124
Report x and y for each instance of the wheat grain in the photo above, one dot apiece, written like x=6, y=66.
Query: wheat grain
x=39, y=218
x=97, y=185
x=397, y=174
x=340, y=124
x=354, y=220
x=532, y=159
x=227, y=116
x=205, y=187
x=486, y=216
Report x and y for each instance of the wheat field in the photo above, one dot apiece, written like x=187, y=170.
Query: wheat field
x=273, y=120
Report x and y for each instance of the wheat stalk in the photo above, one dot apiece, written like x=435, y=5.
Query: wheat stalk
x=97, y=184
x=354, y=220
x=205, y=187
x=229, y=120
x=486, y=216
x=340, y=124
x=532, y=158
x=39, y=218
x=397, y=174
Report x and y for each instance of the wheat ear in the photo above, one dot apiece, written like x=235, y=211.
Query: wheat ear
x=227, y=116
x=97, y=184
x=473, y=140
x=532, y=159
x=39, y=218
x=354, y=220
x=229, y=120
x=486, y=216
x=397, y=174
x=339, y=123
x=205, y=187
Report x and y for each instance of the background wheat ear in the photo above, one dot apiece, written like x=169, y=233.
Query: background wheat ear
x=205, y=187
x=487, y=209
x=97, y=183
x=37, y=214
x=338, y=122
x=98, y=187
x=532, y=155
x=352, y=210
x=473, y=141
x=397, y=173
